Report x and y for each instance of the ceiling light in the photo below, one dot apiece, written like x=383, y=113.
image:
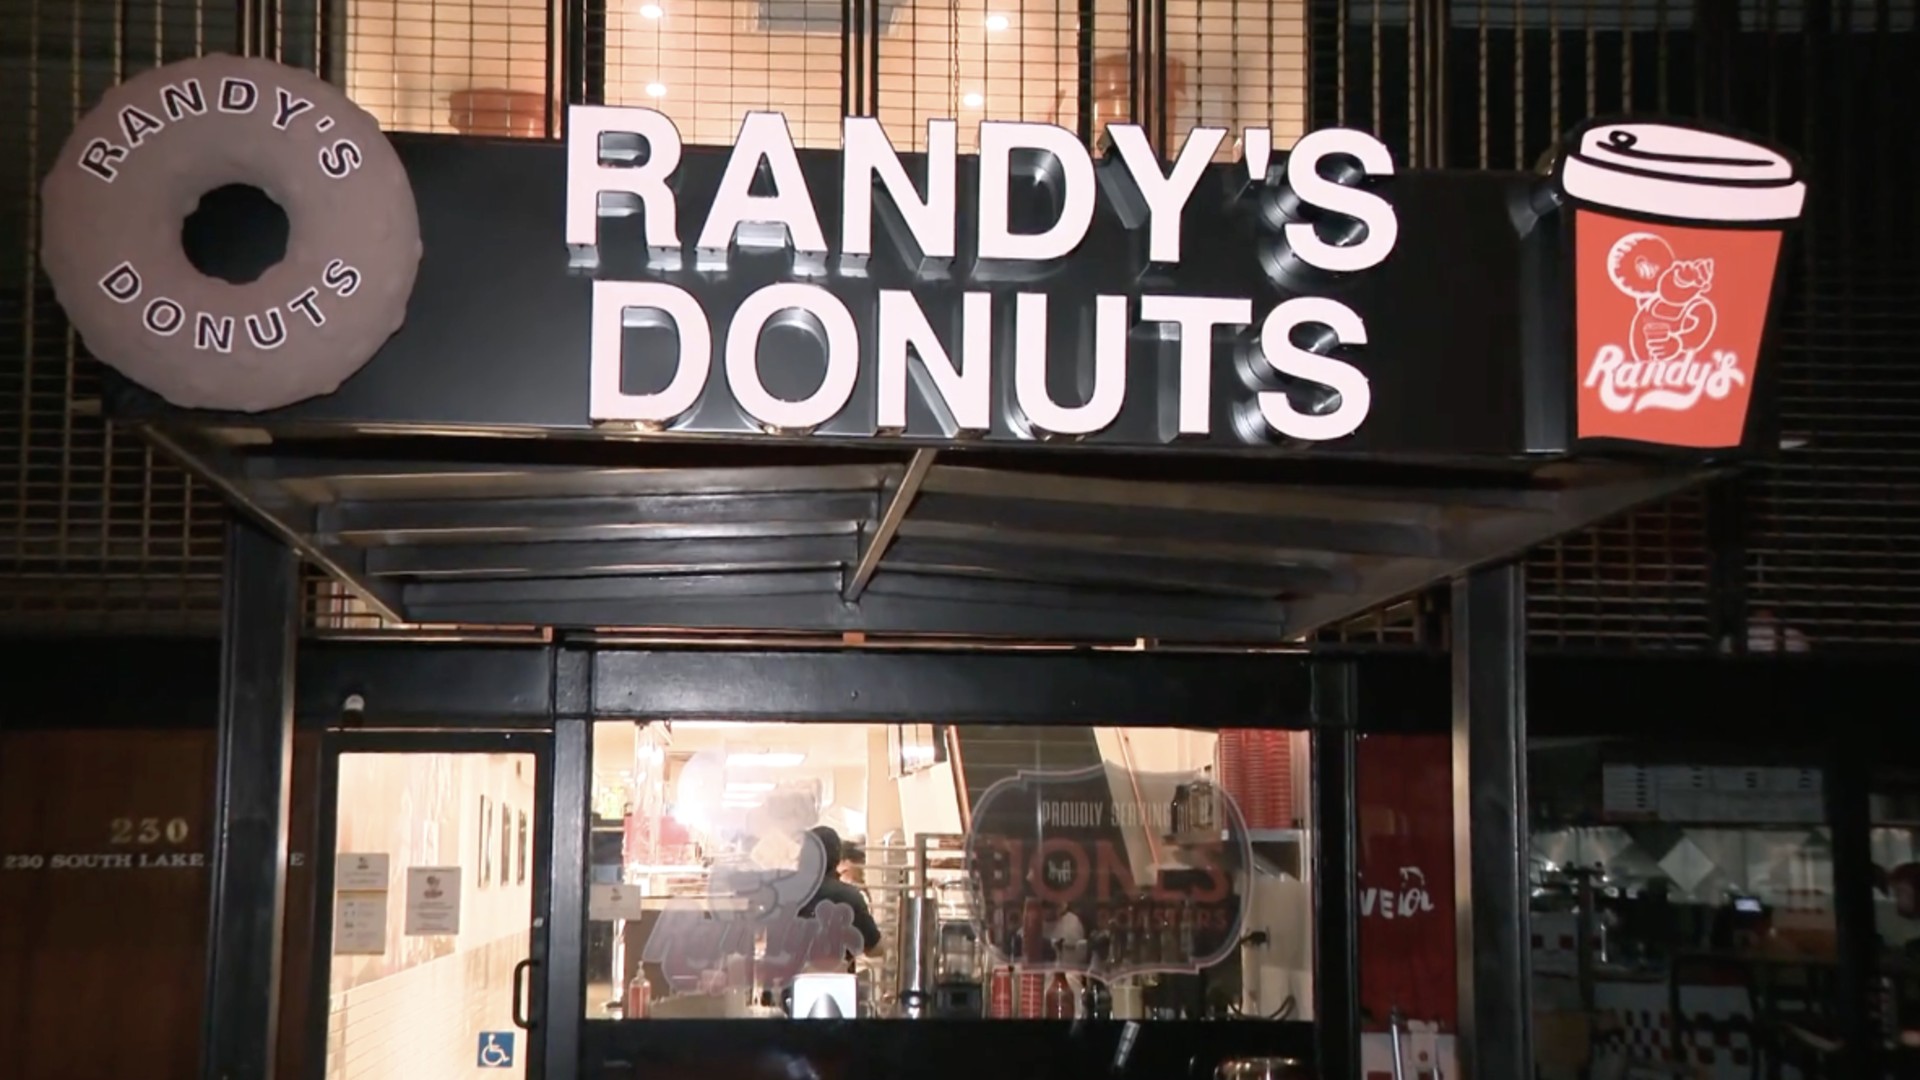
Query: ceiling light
x=974, y=100
x=997, y=23
x=766, y=759
x=655, y=89
x=651, y=11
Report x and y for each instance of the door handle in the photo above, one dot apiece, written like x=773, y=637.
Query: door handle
x=520, y=1018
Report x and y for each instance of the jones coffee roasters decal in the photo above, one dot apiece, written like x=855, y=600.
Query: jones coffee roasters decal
x=1677, y=237
x=1107, y=872
x=140, y=162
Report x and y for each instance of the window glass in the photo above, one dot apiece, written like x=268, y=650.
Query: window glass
x=469, y=67
x=485, y=67
x=979, y=871
x=1895, y=815
x=1682, y=909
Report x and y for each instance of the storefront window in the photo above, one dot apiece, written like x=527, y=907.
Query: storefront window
x=1895, y=816
x=908, y=870
x=469, y=67
x=1682, y=909
x=481, y=67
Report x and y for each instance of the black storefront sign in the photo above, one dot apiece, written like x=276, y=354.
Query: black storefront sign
x=1394, y=351
x=1039, y=294
x=1157, y=299
x=1428, y=360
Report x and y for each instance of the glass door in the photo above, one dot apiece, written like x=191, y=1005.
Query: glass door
x=433, y=929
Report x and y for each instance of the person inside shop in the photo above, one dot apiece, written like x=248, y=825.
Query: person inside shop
x=834, y=888
x=853, y=865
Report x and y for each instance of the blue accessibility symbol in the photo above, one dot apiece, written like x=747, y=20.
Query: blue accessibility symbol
x=496, y=1050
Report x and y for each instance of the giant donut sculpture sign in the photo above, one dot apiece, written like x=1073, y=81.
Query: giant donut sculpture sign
x=139, y=163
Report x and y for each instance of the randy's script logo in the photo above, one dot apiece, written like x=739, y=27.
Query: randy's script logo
x=1668, y=361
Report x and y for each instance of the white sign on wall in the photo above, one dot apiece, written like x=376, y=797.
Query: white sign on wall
x=360, y=924
x=606, y=903
x=433, y=900
x=360, y=872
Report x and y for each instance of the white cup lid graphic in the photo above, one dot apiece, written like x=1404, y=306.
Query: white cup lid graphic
x=1682, y=173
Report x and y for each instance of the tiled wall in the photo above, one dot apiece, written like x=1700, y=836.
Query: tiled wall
x=423, y=1023
x=416, y=1011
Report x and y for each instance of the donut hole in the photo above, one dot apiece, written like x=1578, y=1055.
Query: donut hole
x=236, y=234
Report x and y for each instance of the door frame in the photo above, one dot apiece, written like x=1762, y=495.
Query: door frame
x=335, y=742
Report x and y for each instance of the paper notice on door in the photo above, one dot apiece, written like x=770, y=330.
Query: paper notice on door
x=433, y=900
x=360, y=924
x=606, y=903
x=360, y=872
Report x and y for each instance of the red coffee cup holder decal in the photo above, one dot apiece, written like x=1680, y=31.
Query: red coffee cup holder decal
x=1677, y=233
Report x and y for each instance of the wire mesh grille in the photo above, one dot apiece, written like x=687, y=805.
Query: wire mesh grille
x=707, y=64
x=1640, y=578
x=470, y=67
x=1230, y=63
x=1831, y=547
x=1826, y=534
x=95, y=532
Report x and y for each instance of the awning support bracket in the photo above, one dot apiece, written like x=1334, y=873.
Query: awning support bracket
x=889, y=526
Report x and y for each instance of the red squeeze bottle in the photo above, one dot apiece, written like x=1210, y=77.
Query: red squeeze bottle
x=1059, y=1001
x=639, y=996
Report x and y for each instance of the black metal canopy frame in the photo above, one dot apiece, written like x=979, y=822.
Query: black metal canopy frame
x=467, y=475
x=1094, y=549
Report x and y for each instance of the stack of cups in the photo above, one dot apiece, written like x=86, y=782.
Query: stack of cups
x=1033, y=988
x=1261, y=779
x=1256, y=768
x=1231, y=769
x=1000, y=994
x=1280, y=790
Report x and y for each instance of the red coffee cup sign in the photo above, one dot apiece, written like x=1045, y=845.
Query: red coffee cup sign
x=1677, y=236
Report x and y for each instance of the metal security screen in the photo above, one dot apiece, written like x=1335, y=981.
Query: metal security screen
x=469, y=67
x=1171, y=65
x=95, y=532
x=1816, y=550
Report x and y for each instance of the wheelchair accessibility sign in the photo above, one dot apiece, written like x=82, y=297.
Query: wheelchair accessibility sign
x=496, y=1050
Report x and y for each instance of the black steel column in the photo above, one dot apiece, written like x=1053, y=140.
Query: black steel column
x=1490, y=823
x=1727, y=502
x=1848, y=785
x=572, y=697
x=260, y=626
x=1336, y=908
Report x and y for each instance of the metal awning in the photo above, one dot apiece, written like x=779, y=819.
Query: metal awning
x=488, y=466
x=709, y=537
